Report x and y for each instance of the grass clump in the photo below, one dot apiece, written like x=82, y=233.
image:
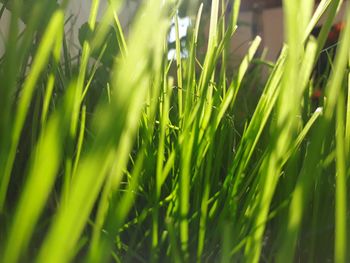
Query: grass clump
x=131, y=162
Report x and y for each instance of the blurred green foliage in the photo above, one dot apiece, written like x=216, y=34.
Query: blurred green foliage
x=119, y=155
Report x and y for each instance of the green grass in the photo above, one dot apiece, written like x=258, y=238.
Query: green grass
x=141, y=163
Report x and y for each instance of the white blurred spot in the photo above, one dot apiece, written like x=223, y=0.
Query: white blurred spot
x=184, y=24
x=319, y=110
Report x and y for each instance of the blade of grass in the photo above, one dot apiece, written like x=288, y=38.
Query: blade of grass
x=51, y=42
x=191, y=74
x=80, y=140
x=119, y=32
x=332, y=12
x=204, y=206
x=83, y=68
x=347, y=127
x=47, y=98
x=179, y=68
x=8, y=79
x=340, y=244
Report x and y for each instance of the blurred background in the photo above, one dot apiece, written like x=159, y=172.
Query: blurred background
x=257, y=17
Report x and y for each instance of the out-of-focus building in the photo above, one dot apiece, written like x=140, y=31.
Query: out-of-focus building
x=265, y=17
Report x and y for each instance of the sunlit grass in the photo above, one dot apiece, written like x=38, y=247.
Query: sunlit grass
x=156, y=165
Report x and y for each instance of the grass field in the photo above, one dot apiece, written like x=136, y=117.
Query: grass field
x=132, y=161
